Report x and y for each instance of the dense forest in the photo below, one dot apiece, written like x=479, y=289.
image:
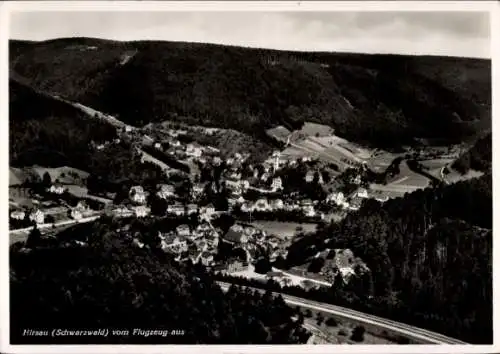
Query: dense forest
x=113, y=284
x=478, y=157
x=375, y=99
x=429, y=255
x=48, y=132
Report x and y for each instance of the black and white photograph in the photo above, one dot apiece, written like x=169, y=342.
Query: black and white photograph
x=249, y=176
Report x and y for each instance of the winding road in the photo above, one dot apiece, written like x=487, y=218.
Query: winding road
x=417, y=334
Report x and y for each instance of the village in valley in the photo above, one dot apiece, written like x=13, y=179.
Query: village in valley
x=293, y=190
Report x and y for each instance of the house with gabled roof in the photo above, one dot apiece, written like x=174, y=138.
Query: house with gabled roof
x=137, y=194
x=56, y=189
x=165, y=191
x=37, y=216
x=235, y=235
x=18, y=215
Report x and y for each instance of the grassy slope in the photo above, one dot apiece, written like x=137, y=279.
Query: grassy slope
x=366, y=98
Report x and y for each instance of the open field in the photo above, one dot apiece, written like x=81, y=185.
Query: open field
x=387, y=191
x=280, y=132
x=380, y=160
x=15, y=176
x=313, y=129
x=313, y=149
x=296, y=153
x=301, y=271
x=435, y=166
x=348, y=149
x=408, y=179
x=65, y=174
x=411, y=182
x=82, y=192
x=284, y=229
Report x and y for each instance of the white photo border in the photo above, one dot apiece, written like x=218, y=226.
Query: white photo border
x=6, y=8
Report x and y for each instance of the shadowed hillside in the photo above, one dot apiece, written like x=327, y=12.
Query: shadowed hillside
x=48, y=132
x=376, y=99
x=478, y=157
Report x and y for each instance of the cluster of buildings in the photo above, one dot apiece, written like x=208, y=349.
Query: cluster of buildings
x=351, y=202
x=51, y=211
x=306, y=206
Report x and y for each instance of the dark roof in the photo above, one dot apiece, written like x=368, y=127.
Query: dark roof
x=233, y=236
x=274, y=274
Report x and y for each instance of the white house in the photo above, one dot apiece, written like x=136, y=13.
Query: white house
x=240, y=200
x=193, y=150
x=141, y=211
x=165, y=191
x=362, y=193
x=216, y=161
x=337, y=198
x=277, y=184
x=18, y=215
x=122, y=211
x=277, y=204
x=138, y=243
x=309, y=176
x=245, y=207
x=158, y=146
x=37, y=216
x=207, y=210
x=262, y=205
x=265, y=176
x=309, y=211
x=56, y=189
x=137, y=194
x=76, y=214
x=192, y=209
x=244, y=184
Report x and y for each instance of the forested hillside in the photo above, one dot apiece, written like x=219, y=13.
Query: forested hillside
x=375, y=99
x=48, y=132
x=430, y=255
x=478, y=157
x=113, y=284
